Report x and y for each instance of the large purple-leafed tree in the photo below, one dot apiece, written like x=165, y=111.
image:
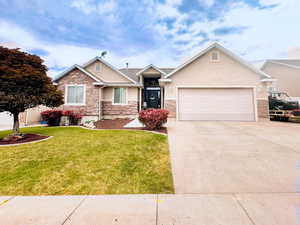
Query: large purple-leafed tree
x=24, y=84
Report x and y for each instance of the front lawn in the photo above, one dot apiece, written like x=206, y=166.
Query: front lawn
x=79, y=161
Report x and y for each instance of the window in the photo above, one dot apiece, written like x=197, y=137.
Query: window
x=98, y=67
x=75, y=94
x=215, y=56
x=120, y=96
x=272, y=89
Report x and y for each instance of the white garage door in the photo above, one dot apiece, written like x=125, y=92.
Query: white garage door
x=216, y=104
x=6, y=119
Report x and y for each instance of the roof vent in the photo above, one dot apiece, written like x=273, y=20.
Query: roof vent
x=215, y=56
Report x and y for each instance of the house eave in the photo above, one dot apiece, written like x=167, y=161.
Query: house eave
x=165, y=80
x=148, y=67
x=61, y=75
x=122, y=85
x=268, y=80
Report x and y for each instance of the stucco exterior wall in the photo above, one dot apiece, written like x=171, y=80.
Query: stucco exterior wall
x=288, y=79
x=226, y=72
x=106, y=74
x=151, y=71
x=132, y=93
x=91, y=107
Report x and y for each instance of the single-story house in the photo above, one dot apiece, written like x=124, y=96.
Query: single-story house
x=215, y=84
x=286, y=73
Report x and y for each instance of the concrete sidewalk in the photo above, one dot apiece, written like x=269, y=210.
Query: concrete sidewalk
x=198, y=209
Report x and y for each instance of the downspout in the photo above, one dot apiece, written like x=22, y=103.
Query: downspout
x=140, y=99
x=99, y=103
x=141, y=92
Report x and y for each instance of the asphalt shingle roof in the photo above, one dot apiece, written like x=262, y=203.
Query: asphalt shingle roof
x=292, y=62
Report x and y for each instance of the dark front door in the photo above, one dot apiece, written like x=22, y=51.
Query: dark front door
x=152, y=98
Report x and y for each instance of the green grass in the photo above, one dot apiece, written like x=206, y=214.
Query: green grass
x=79, y=161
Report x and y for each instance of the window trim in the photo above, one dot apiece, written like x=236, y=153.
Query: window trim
x=211, y=56
x=84, y=94
x=126, y=97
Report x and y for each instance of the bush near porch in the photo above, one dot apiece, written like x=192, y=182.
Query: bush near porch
x=153, y=119
x=53, y=117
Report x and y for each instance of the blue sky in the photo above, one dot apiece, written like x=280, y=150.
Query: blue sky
x=140, y=32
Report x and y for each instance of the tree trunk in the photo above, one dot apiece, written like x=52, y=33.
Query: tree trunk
x=16, y=128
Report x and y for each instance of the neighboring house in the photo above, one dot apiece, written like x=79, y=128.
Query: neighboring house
x=213, y=85
x=287, y=75
x=29, y=117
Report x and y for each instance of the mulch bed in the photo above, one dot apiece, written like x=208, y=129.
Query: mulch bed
x=25, y=138
x=112, y=124
x=120, y=123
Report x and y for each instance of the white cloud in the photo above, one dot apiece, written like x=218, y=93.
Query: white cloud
x=106, y=7
x=207, y=3
x=174, y=2
x=60, y=55
x=269, y=33
x=87, y=6
x=84, y=5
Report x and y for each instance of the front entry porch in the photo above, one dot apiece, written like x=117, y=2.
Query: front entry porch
x=152, y=93
x=152, y=97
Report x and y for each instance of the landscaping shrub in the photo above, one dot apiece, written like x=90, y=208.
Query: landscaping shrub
x=73, y=116
x=153, y=119
x=52, y=117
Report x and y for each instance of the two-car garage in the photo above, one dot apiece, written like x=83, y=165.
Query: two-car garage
x=216, y=103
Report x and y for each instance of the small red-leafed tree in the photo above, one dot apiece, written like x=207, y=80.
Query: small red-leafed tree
x=24, y=84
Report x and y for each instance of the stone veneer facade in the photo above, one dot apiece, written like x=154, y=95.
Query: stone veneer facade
x=91, y=108
x=262, y=108
x=111, y=111
x=170, y=105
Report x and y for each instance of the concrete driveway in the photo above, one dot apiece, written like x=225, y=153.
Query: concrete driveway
x=257, y=164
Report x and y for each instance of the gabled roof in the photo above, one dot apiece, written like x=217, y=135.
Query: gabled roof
x=227, y=52
x=151, y=66
x=109, y=65
x=292, y=63
x=61, y=75
x=131, y=72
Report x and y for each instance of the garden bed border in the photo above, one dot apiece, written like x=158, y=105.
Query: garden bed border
x=30, y=142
